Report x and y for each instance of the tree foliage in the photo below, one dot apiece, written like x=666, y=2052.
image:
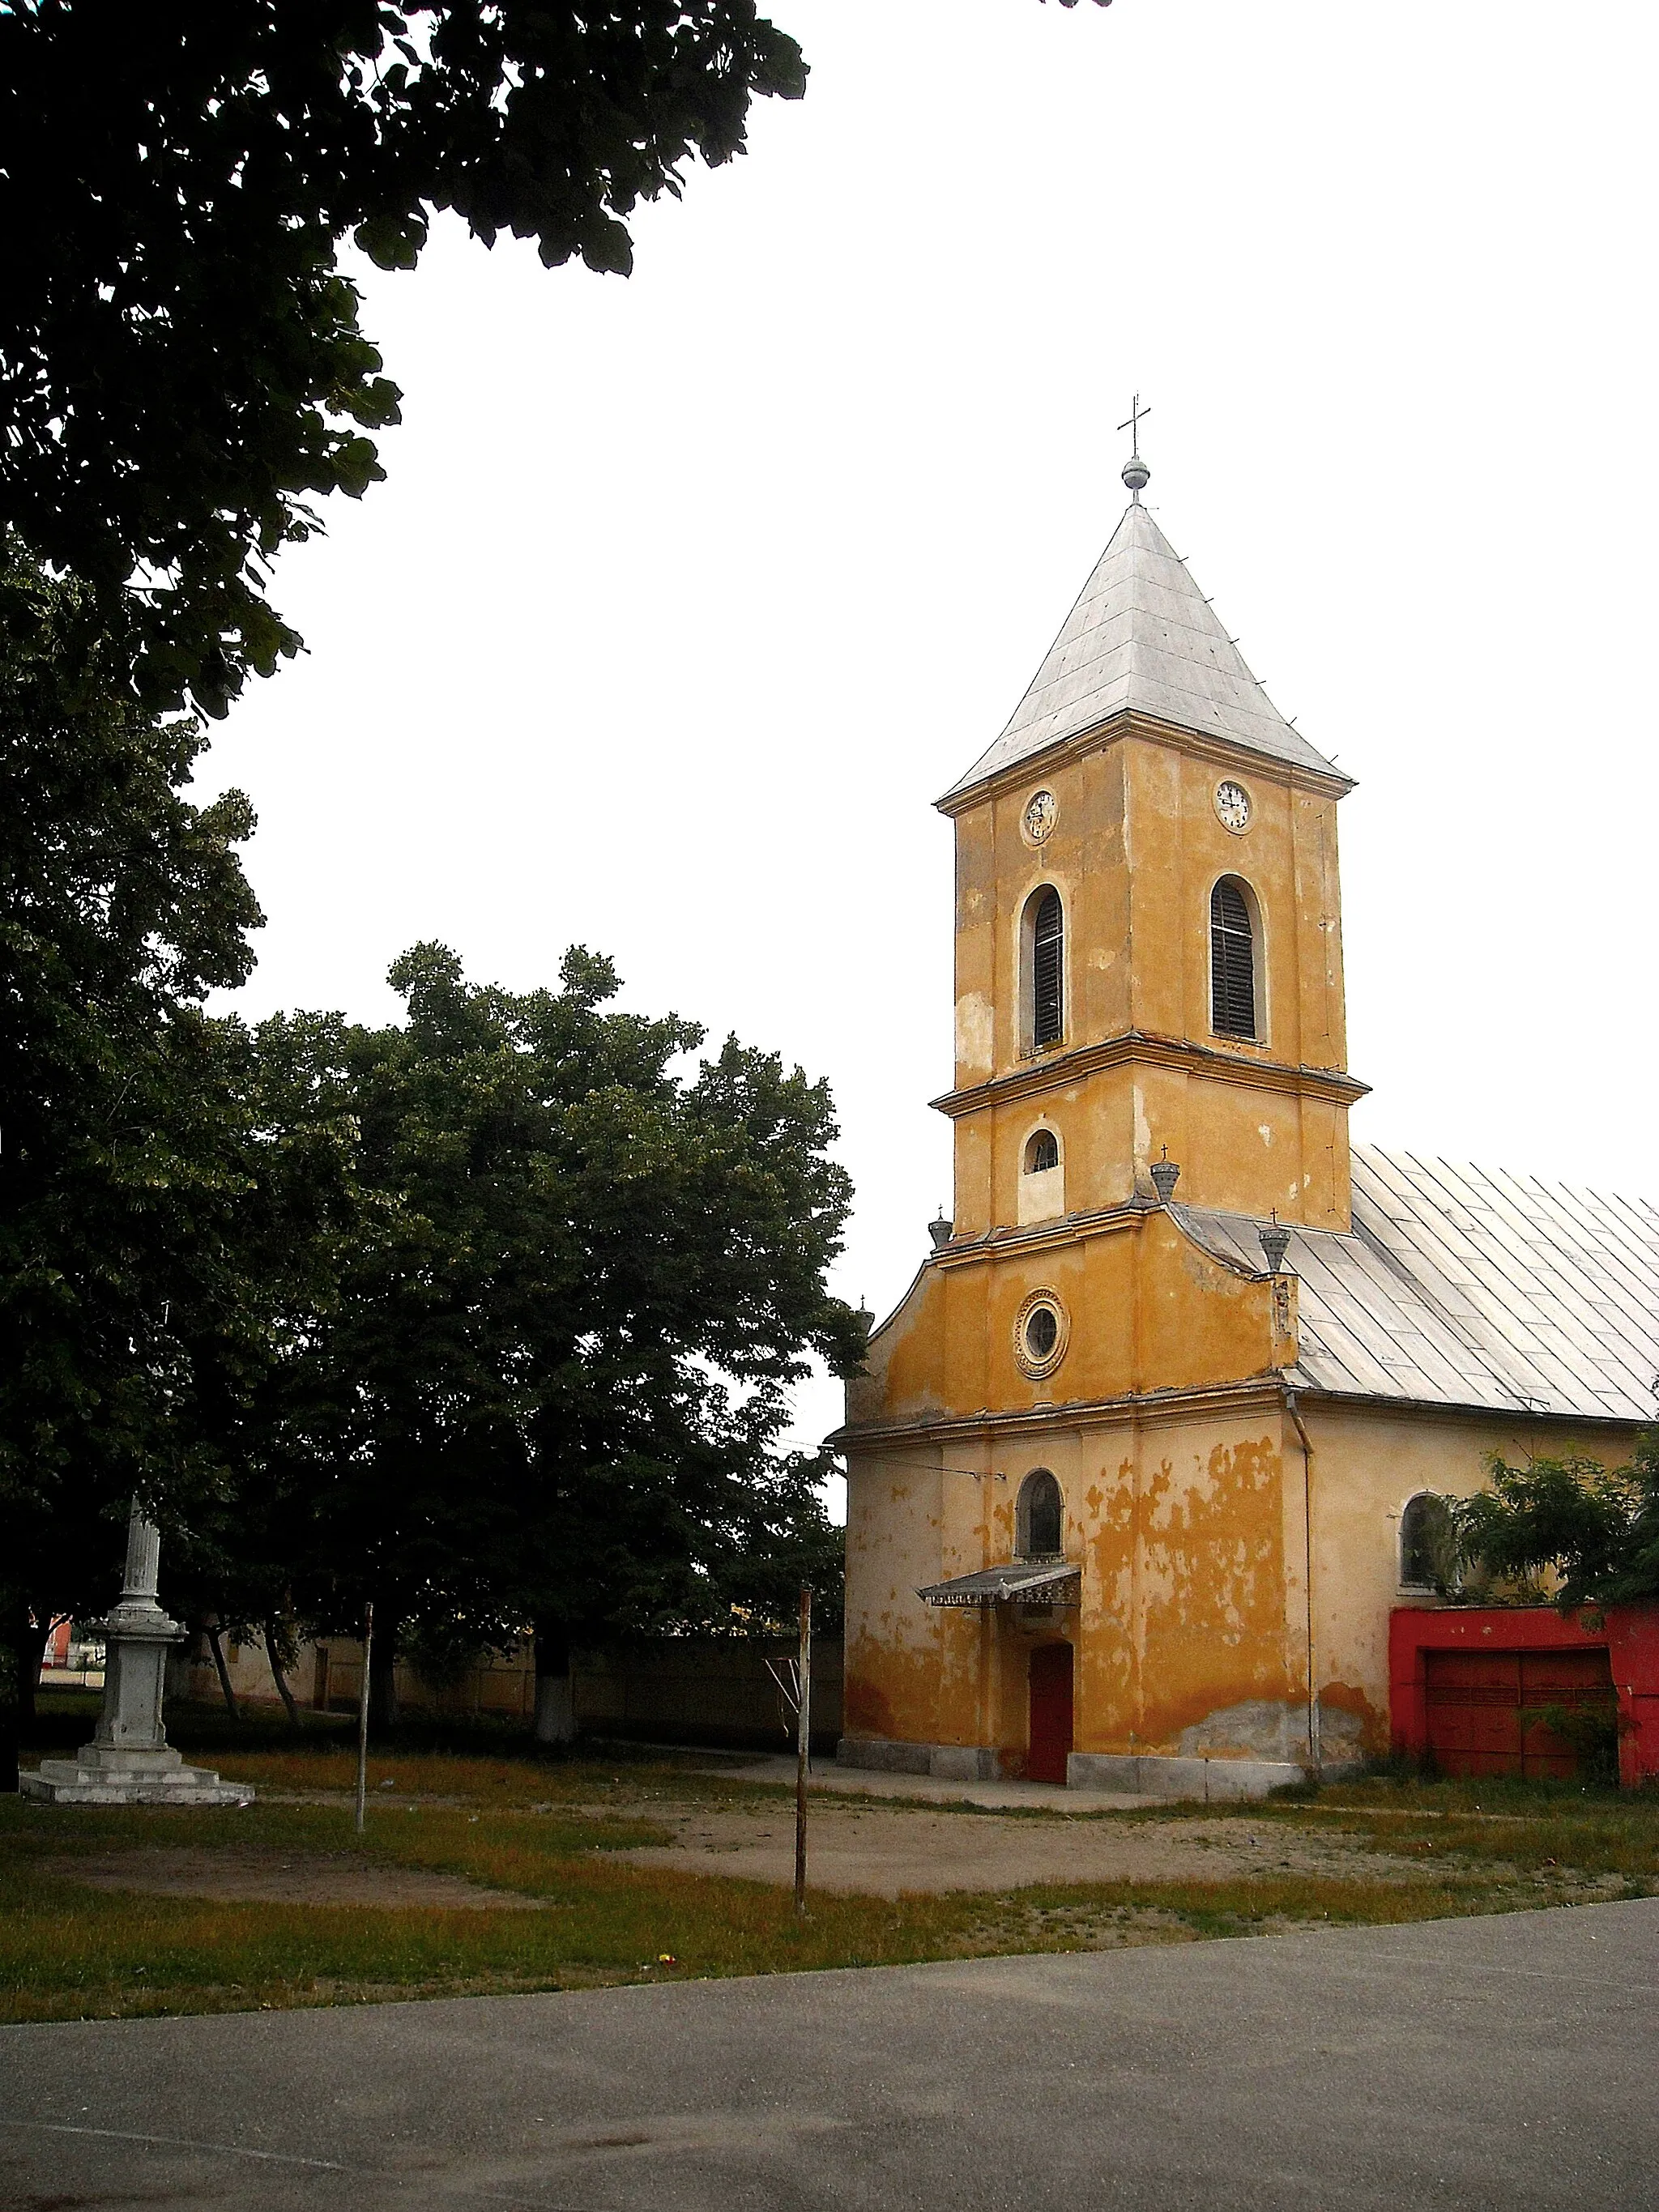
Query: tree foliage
x=550, y=1385
x=1594, y=1529
x=182, y=369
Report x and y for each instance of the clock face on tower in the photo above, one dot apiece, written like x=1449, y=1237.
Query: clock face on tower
x=1232, y=806
x=1041, y=812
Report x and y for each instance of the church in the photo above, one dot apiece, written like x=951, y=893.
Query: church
x=1141, y=1467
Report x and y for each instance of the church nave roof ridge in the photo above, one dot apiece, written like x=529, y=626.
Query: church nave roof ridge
x=1142, y=637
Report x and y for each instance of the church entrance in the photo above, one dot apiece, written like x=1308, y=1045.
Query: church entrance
x=1050, y=1737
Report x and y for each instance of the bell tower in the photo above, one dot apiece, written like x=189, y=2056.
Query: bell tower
x=1148, y=926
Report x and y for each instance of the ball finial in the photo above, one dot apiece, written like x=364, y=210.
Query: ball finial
x=1136, y=474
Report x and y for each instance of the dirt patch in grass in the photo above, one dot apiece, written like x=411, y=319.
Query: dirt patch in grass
x=882, y=1851
x=278, y=1877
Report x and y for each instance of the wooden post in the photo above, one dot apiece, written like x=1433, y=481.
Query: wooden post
x=803, y=1745
x=362, y=1714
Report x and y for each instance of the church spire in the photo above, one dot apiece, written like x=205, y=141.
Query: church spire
x=1142, y=639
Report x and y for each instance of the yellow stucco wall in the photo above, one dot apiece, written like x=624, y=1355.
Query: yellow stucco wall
x=1149, y=1312
x=1191, y=1627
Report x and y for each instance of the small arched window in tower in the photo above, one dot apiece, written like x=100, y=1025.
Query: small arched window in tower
x=1232, y=961
x=1041, y=1152
x=1048, y=970
x=1038, y=1516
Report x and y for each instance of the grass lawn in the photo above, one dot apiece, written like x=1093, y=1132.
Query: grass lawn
x=549, y=1831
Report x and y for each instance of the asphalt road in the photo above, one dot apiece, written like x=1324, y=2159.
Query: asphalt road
x=1511, y=2062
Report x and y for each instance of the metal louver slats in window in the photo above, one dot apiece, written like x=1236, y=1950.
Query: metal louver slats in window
x=1047, y=971
x=1232, y=963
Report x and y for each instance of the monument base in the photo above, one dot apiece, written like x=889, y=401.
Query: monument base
x=100, y=1774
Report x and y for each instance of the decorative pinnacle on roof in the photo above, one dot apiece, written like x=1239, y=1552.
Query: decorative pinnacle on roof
x=1273, y=1240
x=1136, y=474
x=1165, y=1176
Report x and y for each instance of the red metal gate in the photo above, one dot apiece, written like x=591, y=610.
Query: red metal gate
x=1050, y=1739
x=1486, y=1710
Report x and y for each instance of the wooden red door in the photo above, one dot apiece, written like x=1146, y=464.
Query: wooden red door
x=1474, y=1710
x=1561, y=1683
x=1486, y=1708
x=1050, y=1739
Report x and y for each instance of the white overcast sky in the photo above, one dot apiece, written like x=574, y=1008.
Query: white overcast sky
x=687, y=594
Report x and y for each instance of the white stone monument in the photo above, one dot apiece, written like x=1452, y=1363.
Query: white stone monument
x=129, y=1761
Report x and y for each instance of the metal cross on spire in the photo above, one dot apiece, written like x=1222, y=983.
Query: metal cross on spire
x=1136, y=474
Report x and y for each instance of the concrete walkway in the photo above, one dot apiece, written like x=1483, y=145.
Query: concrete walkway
x=999, y=1796
x=1496, y=2065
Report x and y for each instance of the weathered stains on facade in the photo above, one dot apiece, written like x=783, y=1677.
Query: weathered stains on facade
x=1214, y=1572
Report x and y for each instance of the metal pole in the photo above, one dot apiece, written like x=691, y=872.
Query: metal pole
x=362, y=1714
x=803, y=1745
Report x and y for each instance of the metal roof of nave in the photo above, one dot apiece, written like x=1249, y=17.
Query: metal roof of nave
x=1462, y=1287
x=1142, y=636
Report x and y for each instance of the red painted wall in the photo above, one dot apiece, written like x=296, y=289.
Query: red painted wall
x=1628, y=1633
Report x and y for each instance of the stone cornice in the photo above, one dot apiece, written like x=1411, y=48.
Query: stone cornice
x=1130, y=722
x=1143, y=1047
x=1039, y=1236
x=1155, y=1408
x=1263, y=1392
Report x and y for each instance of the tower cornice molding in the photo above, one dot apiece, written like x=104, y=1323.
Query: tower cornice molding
x=1133, y=722
x=1142, y=1048
x=1007, y=1242
x=1252, y=1393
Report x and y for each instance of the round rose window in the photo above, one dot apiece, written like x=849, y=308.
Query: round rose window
x=1041, y=1331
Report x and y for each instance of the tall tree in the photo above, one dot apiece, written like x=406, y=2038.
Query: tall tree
x=149, y=1213
x=553, y=1386
x=182, y=369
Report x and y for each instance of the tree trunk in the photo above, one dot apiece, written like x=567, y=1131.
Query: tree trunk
x=211, y=1624
x=14, y=1625
x=31, y=1651
x=382, y=1674
x=24, y=1644
x=274, y=1640
x=556, y=1704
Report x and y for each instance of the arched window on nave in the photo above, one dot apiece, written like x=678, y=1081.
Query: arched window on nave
x=1038, y=1516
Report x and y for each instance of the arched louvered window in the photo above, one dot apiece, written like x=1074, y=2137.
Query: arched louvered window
x=1038, y=1515
x=1232, y=961
x=1048, y=970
